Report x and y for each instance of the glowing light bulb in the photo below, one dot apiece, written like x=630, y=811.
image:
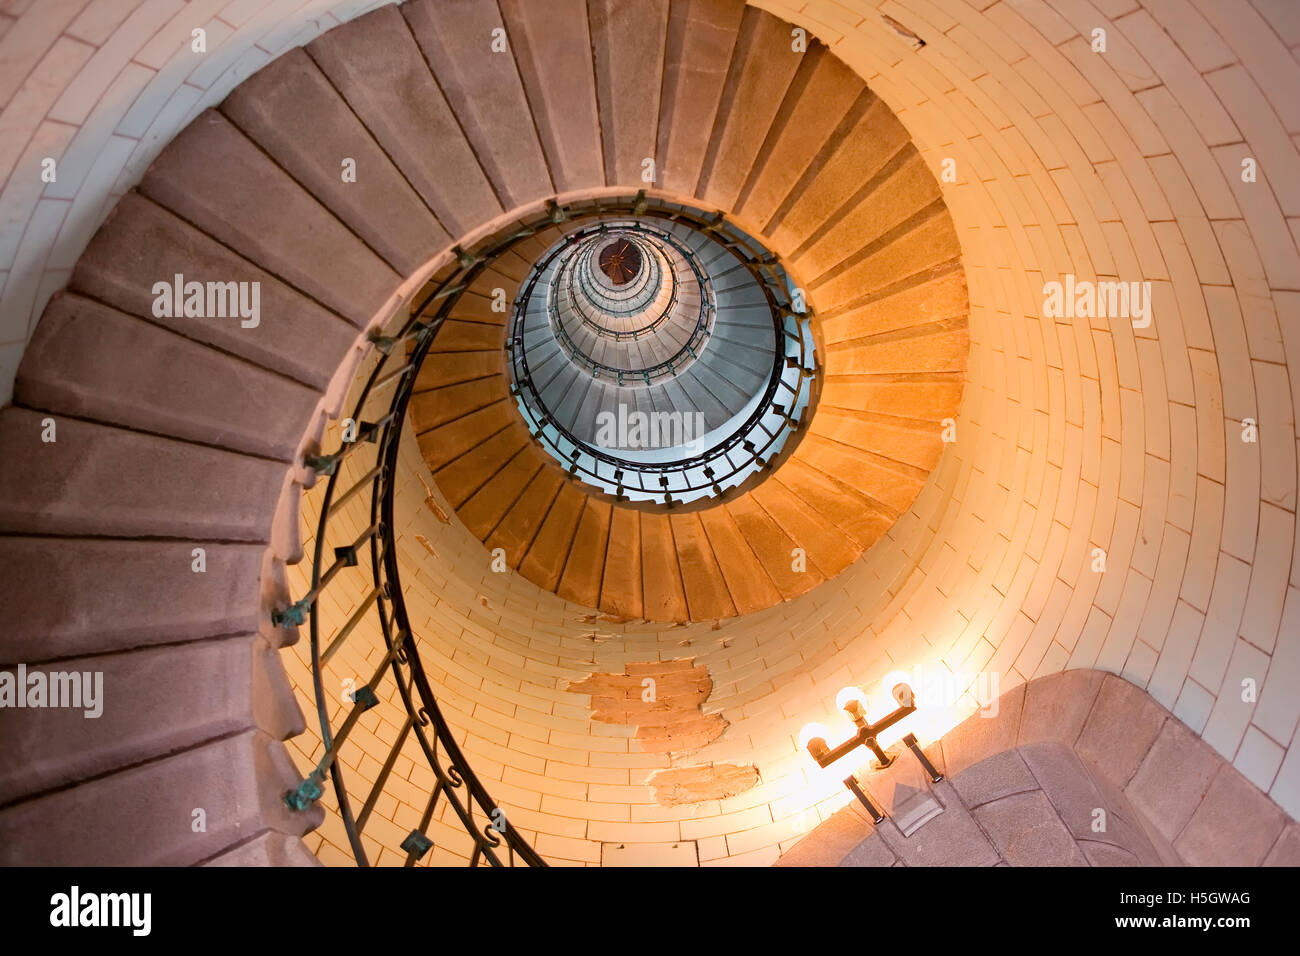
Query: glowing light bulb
x=893, y=679
x=902, y=692
x=812, y=732
x=811, y=736
x=853, y=700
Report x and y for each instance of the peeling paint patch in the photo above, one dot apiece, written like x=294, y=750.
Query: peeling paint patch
x=608, y=619
x=432, y=503
x=661, y=699
x=715, y=781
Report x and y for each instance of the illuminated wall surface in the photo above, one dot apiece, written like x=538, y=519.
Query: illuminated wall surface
x=1001, y=478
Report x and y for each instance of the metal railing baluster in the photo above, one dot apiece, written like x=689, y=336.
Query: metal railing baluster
x=382, y=777
x=350, y=625
x=367, y=479
x=363, y=699
x=345, y=557
x=417, y=844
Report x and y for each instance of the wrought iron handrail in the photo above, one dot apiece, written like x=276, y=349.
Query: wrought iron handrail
x=495, y=840
x=398, y=354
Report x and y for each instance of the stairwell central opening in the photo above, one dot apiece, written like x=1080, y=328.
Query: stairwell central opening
x=664, y=358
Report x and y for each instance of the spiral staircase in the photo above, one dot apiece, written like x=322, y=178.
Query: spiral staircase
x=164, y=443
x=560, y=212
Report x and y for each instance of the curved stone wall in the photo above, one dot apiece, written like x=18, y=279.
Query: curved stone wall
x=1085, y=434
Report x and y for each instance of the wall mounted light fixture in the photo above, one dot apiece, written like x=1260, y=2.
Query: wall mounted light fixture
x=853, y=702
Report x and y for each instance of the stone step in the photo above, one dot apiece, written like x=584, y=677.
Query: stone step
x=909, y=441
x=620, y=586
x=535, y=247
x=700, y=40
x=538, y=338
x=661, y=398
x=707, y=596
x=861, y=145
x=554, y=379
x=575, y=397
x=238, y=782
x=627, y=40
x=536, y=319
x=845, y=504
x=742, y=322
x=935, y=347
x=929, y=397
x=142, y=243
x=601, y=396
x=892, y=483
x=460, y=336
x=729, y=363
x=203, y=687
x=664, y=597
x=290, y=109
x=728, y=395
x=216, y=178
x=748, y=317
x=79, y=596
x=552, y=48
x=585, y=566
x=484, y=90
x=753, y=359
x=822, y=542
x=92, y=361
x=715, y=259
x=442, y=405
x=515, y=531
x=697, y=396
x=743, y=295
x=925, y=241
x=901, y=306
x=476, y=304
x=99, y=480
x=762, y=68
x=380, y=70
x=747, y=581
x=441, y=444
x=509, y=270
x=460, y=479
x=485, y=508
x=546, y=364
x=774, y=548
x=546, y=557
x=451, y=368
x=827, y=90
x=268, y=849
x=903, y=188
